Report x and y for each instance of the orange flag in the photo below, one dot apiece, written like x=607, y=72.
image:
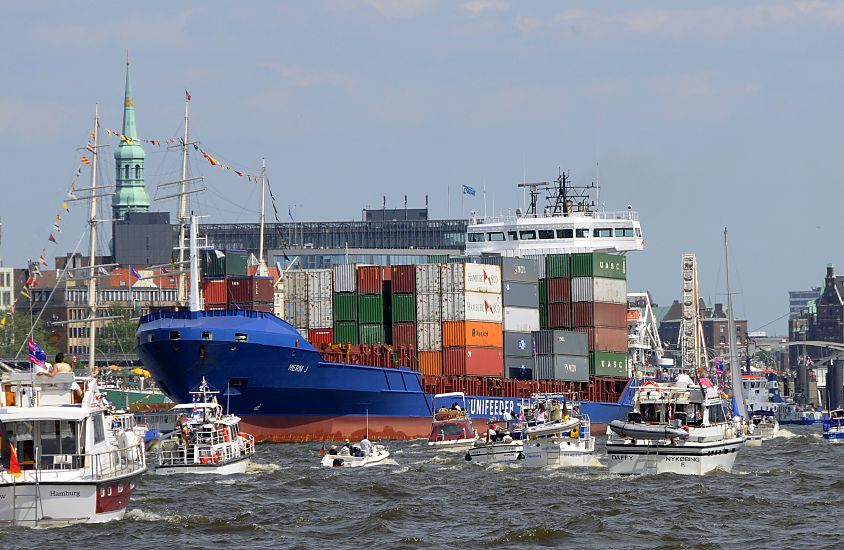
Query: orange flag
x=14, y=465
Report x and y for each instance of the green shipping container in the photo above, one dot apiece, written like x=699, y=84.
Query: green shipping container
x=236, y=262
x=346, y=332
x=543, y=317
x=345, y=306
x=437, y=259
x=372, y=334
x=605, y=363
x=212, y=266
x=557, y=265
x=404, y=308
x=543, y=291
x=371, y=308
x=599, y=264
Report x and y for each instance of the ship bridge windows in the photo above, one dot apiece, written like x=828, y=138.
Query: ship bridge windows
x=527, y=235
x=513, y=235
x=565, y=233
x=603, y=232
x=497, y=236
x=624, y=232
x=639, y=232
x=477, y=237
x=546, y=233
x=581, y=233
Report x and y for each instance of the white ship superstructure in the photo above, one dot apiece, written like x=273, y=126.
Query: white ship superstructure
x=568, y=223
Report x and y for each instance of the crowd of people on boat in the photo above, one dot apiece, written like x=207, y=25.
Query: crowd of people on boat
x=361, y=450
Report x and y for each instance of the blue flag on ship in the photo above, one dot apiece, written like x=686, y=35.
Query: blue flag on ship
x=468, y=190
x=36, y=354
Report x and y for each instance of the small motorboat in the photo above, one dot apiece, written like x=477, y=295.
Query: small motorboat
x=451, y=426
x=570, y=444
x=651, y=432
x=205, y=440
x=355, y=457
x=833, y=428
x=765, y=424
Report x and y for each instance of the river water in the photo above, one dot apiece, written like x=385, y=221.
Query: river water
x=787, y=493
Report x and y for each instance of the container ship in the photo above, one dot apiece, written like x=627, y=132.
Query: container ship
x=537, y=305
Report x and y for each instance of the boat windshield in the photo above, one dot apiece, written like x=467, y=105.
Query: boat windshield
x=56, y=442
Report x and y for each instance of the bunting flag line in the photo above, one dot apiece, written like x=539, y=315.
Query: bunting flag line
x=86, y=161
x=52, y=239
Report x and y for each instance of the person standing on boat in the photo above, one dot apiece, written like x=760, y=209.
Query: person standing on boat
x=365, y=445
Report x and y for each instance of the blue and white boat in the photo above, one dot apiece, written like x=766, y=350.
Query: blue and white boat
x=833, y=427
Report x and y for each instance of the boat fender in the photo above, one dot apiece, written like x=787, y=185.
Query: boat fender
x=574, y=433
x=520, y=456
x=468, y=457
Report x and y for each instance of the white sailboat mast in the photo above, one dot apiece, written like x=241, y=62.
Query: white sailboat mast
x=194, y=266
x=262, y=264
x=92, y=247
x=183, y=210
x=735, y=370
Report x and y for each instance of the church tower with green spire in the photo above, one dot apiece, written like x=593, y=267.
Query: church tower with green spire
x=130, y=193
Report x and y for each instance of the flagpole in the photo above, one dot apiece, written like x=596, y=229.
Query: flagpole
x=262, y=265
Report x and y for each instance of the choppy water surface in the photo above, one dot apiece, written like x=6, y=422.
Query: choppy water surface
x=788, y=493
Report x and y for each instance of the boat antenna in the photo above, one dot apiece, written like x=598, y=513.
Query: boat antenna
x=262, y=264
x=367, y=424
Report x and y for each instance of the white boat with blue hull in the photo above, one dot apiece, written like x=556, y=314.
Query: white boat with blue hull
x=676, y=428
x=833, y=428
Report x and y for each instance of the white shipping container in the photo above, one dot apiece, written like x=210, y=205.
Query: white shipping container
x=320, y=284
x=428, y=278
x=598, y=289
x=429, y=336
x=471, y=306
x=429, y=307
x=296, y=313
x=296, y=285
x=471, y=278
x=278, y=303
x=345, y=278
x=320, y=314
x=521, y=319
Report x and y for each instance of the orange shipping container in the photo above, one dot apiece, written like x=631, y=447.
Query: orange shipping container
x=472, y=334
x=473, y=362
x=431, y=363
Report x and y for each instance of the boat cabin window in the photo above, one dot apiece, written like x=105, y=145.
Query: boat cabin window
x=99, y=430
x=477, y=237
x=565, y=233
x=624, y=232
x=496, y=237
x=240, y=337
x=546, y=233
x=638, y=232
x=175, y=335
x=651, y=412
x=716, y=414
x=527, y=235
x=581, y=233
x=513, y=235
x=603, y=232
x=692, y=412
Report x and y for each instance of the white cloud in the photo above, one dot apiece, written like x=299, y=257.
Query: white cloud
x=478, y=6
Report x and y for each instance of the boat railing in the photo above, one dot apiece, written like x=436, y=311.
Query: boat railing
x=91, y=466
x=630, y=215
x=203, y=453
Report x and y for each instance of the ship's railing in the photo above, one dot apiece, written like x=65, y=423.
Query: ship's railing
x=210, y=313
x=90, y=466
x=174, y=453
x=630, y=215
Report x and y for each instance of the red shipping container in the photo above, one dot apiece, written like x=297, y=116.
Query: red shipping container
x=403, y=278
x=404, y=334
x=318, y=336
x=605, y=339
x=558, y=290
x=597, y=314
x=431, y=363
x=370, y=279
x=559, y=315
x=214, y=292
x=250, y=289
x=473, y=361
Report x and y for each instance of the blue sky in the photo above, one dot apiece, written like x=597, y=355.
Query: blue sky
x=700, y=115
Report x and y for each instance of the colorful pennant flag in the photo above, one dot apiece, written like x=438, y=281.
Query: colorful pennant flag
x=86, y=161
x=52, y=239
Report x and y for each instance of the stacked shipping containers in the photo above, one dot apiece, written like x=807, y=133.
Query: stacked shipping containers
x=296, y=300
x=320, y=314
x=472, y=317
x=561, y=355
x=370, y=283
x=345, y=304
x=599, y=310
x=403, y=313
x=429, y=337
x=520, y=299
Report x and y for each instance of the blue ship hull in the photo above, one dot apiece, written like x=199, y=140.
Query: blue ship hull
x=271, y=377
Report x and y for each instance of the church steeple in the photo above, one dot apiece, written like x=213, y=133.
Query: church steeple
x=130, y=193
